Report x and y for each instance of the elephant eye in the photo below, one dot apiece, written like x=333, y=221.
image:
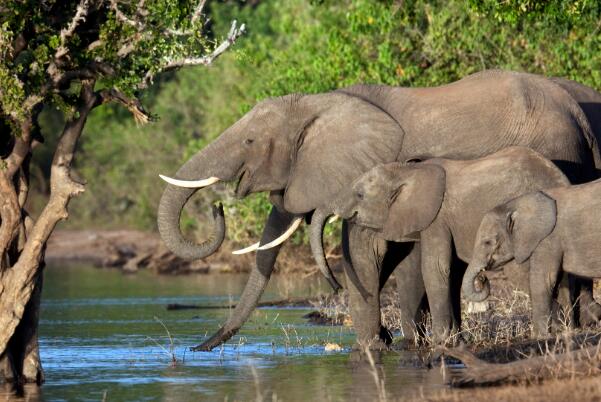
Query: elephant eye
x=488, y=243
x=248, y=141
x=360, y=195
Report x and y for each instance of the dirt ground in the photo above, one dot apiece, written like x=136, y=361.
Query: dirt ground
x=131, y=250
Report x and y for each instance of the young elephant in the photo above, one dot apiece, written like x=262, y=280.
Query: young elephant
x=439, y=202
x=548, y=230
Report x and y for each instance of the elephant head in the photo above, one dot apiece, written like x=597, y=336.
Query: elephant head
x=510, y=231
x=394, y=199
x=301, y=148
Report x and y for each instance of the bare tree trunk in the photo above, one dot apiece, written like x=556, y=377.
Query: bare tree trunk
x=23, y=242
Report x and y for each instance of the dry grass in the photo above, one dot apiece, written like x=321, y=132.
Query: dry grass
x=572, y=389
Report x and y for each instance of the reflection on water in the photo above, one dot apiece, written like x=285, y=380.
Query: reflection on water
x=107, y=335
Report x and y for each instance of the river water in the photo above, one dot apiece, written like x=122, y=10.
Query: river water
x=108, y=336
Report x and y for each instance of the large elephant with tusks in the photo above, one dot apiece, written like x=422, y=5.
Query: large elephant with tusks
x=304, y=149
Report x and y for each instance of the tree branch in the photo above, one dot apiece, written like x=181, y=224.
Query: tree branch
x=21, y=149
x=80, y=15
x=9, y=212
x=234, y=33
x=133, y=105
x=197, y=11
x=124, y=19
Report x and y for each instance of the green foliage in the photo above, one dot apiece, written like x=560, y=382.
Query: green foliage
x=298, y=46
x=120, y=44
x=562, y=12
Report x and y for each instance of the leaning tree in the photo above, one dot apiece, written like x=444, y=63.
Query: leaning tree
x=75, y=55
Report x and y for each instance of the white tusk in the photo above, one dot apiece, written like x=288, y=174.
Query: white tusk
x=190, y=183
x=248, y=249
x=333, y=218
x=284, y=236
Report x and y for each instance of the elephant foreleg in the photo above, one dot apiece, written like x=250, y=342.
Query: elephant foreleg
x=411, y=294
x=436, y=256
x=363, y=252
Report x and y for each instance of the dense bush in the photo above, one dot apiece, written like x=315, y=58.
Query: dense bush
x=297, y=46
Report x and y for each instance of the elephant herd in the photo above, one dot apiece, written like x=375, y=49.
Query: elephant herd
x=493, y=170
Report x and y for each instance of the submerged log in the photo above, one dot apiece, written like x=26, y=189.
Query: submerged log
x=584, y=361
x=288, y=302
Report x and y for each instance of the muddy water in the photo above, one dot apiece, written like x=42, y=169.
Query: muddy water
x=105, y=335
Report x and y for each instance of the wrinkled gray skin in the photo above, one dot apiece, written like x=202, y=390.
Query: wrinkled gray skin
x=549, y=231
x=305, y=149
x=441, y=202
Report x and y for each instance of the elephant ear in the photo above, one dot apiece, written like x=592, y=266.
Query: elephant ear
x=419, y=196
x=340, y=144
x=530, y=218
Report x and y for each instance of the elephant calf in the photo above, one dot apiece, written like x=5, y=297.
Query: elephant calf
x=548, y=230
x=439, y=202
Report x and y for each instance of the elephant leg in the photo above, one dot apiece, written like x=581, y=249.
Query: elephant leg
x=544, y=271
x=436, y=256
x=589, y=311
x=411, y=294
x=563, y=303
x=363, y=252
x=458, y=268
x=563, y=312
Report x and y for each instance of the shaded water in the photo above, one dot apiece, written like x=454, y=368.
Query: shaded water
x=102, y=336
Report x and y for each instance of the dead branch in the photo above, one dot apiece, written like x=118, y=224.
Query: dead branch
x=584, y=361
x=123, y=18
x=198, y=10
x=80, y=16
x=234, y=33
x=133, y=105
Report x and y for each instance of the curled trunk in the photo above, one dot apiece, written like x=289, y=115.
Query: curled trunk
x=174, y=198
x=257, y=281
x=475, y=285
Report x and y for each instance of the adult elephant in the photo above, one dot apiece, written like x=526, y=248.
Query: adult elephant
x=305, y=149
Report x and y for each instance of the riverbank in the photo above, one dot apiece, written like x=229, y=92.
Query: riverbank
x=499, y=335
x=133, y=250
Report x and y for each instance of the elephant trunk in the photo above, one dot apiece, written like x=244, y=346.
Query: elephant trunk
x=257, y=281
x=475, y=286
x=318, y=222
x=174, y=198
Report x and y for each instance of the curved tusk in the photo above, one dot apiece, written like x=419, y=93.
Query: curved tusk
x=333, y=218
x=284, y=236
x=248, y=249
x=190, y=183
